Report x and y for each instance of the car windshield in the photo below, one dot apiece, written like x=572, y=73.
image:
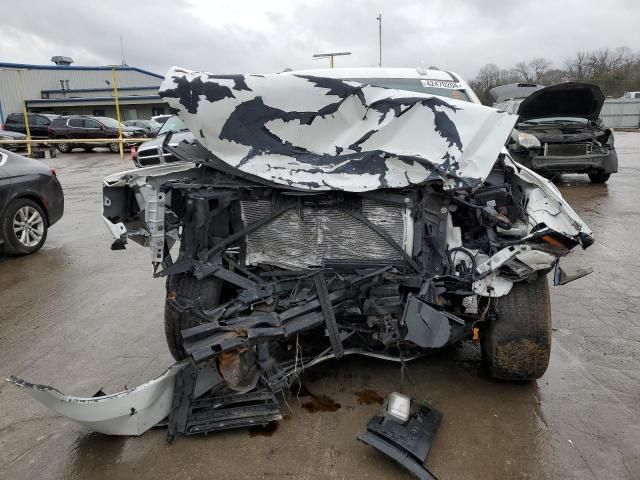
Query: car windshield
x=418, y=85
x=173, y=124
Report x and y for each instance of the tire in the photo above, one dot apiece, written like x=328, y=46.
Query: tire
x=599, y=177
x=64, y=147
x=114, y=147
x=205, y=292
x=516, y=342
x=24, y=227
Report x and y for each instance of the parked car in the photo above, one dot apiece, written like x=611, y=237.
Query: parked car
x=31, y=200
x=39, y=124
x=151, y=127
x=14, y=147
x=559, y=131
x=152, y=152
x=81, y=127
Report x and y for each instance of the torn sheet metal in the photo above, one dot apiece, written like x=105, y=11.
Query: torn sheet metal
x=319, y=133
x=130, y=412
x=545, y=204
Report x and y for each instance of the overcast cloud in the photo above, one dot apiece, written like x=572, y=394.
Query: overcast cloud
x=267, y=36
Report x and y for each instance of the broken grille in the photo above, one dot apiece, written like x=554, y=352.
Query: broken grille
x=150, y=157
x=301, y=239
x=567, y=149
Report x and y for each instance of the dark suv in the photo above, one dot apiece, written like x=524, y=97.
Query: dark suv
x=39, y=124
x=79, y=128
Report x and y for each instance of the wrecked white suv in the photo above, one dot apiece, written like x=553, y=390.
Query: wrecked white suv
x=324, y=213
x=370, y=211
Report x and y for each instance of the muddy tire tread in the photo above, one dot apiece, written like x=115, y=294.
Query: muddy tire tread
x=517, y=345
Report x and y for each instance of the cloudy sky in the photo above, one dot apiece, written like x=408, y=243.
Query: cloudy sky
x=225, y=36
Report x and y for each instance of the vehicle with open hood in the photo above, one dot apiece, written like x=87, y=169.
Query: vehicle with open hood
x=558, y=129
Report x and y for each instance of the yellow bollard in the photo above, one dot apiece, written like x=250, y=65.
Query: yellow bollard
x=115, y=95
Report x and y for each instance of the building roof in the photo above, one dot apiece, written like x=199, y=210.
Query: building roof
x=61, y=102
x=88, y=90
x=77, y=68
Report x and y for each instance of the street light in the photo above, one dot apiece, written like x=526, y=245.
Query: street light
x=330, y=56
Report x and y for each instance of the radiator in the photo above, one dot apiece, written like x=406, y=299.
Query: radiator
x=304, y=239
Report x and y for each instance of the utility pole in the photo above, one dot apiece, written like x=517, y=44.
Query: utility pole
x=330, y=56
x=380, y=39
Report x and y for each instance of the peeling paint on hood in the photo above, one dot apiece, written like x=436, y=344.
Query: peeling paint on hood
x=320, y=133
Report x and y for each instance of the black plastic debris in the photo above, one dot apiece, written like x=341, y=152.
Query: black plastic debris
x=407, y=441
x=192, y=414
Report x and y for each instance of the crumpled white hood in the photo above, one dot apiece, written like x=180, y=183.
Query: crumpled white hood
x=321, y=133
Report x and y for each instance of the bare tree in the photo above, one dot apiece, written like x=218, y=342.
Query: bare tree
x=553, y=76
x=599, y=62
x=523, y=71
x=539, y=67
x=577, y=68
x=614, y=71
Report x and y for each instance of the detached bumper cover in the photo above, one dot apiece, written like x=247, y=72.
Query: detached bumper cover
x=130, y=412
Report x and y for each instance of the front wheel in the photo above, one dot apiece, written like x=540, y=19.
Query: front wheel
x=24, y=227
x=185, y=289
x=516, y=341
x=599, y=177
x=114, y=147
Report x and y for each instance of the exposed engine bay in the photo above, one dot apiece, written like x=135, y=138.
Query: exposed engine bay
x=289, y=261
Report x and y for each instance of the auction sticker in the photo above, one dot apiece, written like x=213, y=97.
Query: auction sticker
x=441, y=84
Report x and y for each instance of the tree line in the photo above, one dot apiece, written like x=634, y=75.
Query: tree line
x=614, y=71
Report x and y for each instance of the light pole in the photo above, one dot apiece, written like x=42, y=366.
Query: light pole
x=330, y=56
x=379, y=17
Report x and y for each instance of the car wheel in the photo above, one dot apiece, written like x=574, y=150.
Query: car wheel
x=516, y=341
x=64, y=147
x=185, y=289
x=599, y=177
x=24, y=227
x=114, y=147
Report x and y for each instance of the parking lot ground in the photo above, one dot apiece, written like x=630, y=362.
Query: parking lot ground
x=81, y=317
